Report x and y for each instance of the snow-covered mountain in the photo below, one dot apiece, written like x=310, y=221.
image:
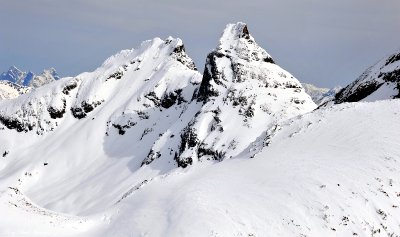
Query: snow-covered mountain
x=29, y=79
x=242, y=92
x=147, y=146
x=320, y=95
x=379, y=82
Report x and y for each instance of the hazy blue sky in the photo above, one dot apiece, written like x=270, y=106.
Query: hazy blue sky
x=325, y=42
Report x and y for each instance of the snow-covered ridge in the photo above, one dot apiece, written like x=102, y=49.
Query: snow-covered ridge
x=44, y=109
x=380, y=81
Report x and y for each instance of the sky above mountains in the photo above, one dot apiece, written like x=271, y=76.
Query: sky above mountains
x=326, y=43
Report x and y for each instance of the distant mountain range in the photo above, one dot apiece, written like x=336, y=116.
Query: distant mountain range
x=320, y=95
x=15, y=82
x=29, y=79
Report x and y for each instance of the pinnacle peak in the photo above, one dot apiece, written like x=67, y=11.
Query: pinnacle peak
x=234, y=32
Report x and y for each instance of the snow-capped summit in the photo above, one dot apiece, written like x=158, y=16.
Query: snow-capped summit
x=243, y=92
x=236, y=40
x=29, y=79
x=379, y=82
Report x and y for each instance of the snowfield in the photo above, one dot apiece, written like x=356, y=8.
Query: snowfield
x=332, y=172
x=145, y=145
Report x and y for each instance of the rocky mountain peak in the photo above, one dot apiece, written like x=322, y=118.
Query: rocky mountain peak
x=238, y=58
x=236, y=41
x=242, y=91
x=234, y=32
x=179, y=53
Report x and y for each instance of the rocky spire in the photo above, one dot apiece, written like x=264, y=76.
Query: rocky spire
x=232, y=61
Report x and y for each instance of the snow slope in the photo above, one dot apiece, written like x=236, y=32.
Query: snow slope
x=305, y=182
x=380, y=81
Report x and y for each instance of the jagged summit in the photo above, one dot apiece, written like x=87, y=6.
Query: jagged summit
x=243, y=92
x=237, y=41
x=237, y=58
x=174, y=45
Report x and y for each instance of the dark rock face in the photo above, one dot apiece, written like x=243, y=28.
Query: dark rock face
x=151, y=157
x=122, y=128
x=116, y=75
x=362, y=92
x=393, y=58
x=188, y=140
x=393, y=76
x=57, y=112
x=384, y=73
x=211, y=74
x=171, y=98
x=168, y=100
x=70, y=86
x=204, y=151
x=84, y=109
x=180, y=55
x=13, y=123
